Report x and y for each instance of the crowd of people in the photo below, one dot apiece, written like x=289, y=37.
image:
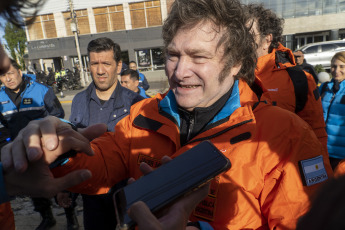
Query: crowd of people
x=232, y=82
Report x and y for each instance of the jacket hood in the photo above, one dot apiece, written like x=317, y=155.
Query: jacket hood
x=279, y=58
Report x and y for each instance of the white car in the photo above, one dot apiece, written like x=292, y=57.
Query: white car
x=321, y=53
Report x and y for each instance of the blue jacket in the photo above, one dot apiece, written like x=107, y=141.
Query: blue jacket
x=334, y=115
x=37, y=101
x=124, y=99
x=143, y=81
x=142, y=92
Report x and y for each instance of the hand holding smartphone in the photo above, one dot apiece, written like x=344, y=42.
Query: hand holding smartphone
x=170, y=181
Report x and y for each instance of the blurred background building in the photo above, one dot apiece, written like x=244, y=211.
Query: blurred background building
x=136, y=26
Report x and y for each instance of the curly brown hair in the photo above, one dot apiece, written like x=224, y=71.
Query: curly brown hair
x=267, y=22
x=228, y=16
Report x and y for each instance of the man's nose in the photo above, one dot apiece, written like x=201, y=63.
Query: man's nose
x=100, y=70
x=183, y=68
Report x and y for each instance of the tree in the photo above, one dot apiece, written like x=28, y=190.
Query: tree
x=16, y=42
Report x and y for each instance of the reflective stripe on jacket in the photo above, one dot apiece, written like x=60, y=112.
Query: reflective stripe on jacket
x=262, y=190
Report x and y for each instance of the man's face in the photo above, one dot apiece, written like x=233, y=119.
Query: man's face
x=128, y=83
x=12, y=79
x=133, y=66
x=104, y=70
x=299, y=57
x=193, y=67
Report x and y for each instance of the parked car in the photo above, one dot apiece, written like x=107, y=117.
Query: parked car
x=322, y=52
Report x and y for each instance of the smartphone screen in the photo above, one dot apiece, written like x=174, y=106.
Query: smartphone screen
x=171, y=180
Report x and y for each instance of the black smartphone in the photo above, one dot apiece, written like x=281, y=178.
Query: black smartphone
x=181, y=175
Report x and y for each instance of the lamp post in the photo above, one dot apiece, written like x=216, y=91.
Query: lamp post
x=74, y=28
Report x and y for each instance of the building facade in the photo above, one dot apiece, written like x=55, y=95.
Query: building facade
x=136, y=26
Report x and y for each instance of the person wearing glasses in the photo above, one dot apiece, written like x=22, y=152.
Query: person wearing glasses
x=300, y=61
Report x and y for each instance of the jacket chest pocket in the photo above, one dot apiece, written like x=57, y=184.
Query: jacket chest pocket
x=118, y=114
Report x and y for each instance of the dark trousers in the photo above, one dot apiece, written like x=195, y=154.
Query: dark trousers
x=99, y=210
x=41, y=204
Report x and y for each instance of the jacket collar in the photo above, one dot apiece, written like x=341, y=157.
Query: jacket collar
x=118, y=103
x=280, y=58
x=169, y=105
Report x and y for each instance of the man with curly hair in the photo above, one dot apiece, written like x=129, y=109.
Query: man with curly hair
x=277, y=162
x=288, y=86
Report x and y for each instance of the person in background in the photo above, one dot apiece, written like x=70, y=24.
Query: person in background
x=130, y=80
x=104, y=101
x=23, y=99
x=301, y=62
x=288, y=86
x=333, y=103
x=142, y=79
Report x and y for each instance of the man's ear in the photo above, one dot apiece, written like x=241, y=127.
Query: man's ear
x=267, y=41
x=119, y=67
x=136, y=83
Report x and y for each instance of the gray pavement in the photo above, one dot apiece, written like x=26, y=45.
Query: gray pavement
x=25, y=217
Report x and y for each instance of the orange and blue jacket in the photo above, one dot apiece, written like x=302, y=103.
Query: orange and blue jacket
x=272, y=72
x=277, y=161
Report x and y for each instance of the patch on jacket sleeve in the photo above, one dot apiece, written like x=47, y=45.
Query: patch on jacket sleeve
x=27, y=101
x=153, y=162
x=147, y=123
x=313, y=170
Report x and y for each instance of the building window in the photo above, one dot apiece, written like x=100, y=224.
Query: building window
x=117, y=17
x=49, y=25
x=150, y=59
x=35, y=29
x=109, y=18
x=101, y=18
x=145, y=14
x=83, y=22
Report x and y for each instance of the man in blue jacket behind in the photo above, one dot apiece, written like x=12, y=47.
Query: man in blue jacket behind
x=22, y=99
x=130, y=80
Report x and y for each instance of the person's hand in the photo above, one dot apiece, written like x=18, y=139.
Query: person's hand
x=4, y=61
x=38, y=181
x=50, y=136
x=173, y=217
x=63, y=199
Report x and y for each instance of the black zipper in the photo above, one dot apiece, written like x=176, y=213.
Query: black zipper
x=329, y=107
x=220, y=132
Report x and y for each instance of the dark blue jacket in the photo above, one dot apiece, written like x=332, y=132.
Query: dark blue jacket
x=124, y=99
x=37, y=101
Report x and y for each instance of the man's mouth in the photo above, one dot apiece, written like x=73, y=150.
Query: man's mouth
x=188, y=86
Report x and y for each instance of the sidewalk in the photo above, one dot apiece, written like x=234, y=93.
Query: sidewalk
x=27, y=219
